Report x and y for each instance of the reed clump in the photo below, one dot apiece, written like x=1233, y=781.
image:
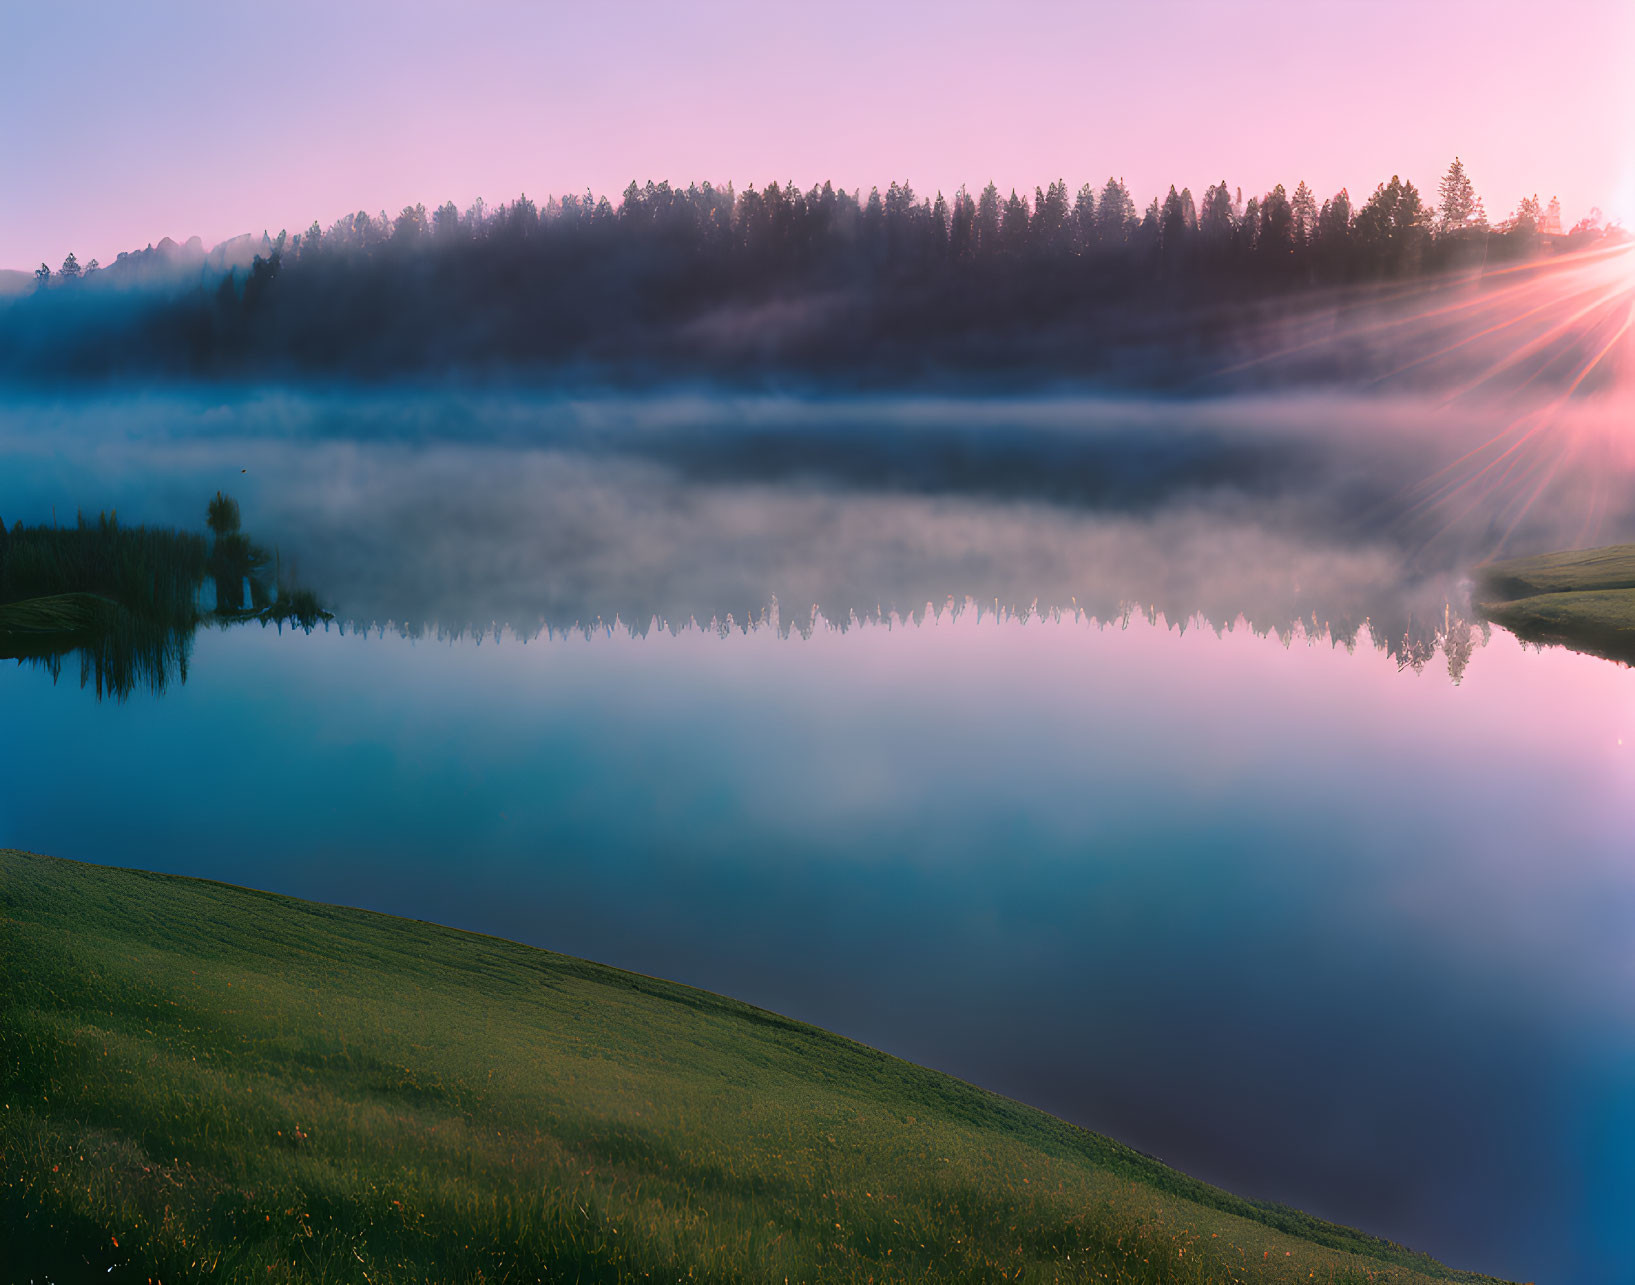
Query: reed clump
x=151, y=571
x=126, y=600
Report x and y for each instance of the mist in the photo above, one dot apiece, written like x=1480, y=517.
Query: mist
x=473, y=515
x=829, y=290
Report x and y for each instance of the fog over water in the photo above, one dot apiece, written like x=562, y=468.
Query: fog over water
x=459, y=514
x=1271, y=895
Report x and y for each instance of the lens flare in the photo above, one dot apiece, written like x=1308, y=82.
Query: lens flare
x=1534, y=341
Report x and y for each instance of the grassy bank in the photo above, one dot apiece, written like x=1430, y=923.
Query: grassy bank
x=202, y=1082
x=1582, y=598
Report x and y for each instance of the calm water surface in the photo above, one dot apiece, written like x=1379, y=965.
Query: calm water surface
x=1305, y=917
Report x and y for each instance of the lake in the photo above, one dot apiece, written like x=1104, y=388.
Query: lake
x=1139, y=760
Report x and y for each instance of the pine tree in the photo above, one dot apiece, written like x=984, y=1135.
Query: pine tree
x=1172, y=222
x=1014, y=231
x=1215, y=220
x=1334, y=223
x=1249, y=225
x=1084, y=218
x=1304, y=210
x=1114, y=212
x=940, y=219
x=410, y=225
x=1457, y=199
x=1050, y=217
x=987, y=220
x=1390, y=225
x=1189, y=210
x=1146, y=232
x=1276, y=223
x=962, y=229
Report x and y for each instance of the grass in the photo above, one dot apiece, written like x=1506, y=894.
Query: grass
x=56, y=615
x=1582, y=598
x=202, y=1082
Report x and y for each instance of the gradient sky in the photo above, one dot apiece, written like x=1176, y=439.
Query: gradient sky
x=125, y=124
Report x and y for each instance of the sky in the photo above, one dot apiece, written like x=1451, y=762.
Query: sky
x=120, y=125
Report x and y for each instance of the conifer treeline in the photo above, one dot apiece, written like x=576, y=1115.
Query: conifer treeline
x=1393, y=231
x=716, y=280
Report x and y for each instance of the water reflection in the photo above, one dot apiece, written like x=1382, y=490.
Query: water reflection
x=1276, y=914
x=846, y=744
x=457, y=517
x=126, y=601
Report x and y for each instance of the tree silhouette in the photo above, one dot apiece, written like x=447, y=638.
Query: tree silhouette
x=712, y=280
x=987, y=220
x=1551, y=225
x=1276, y=224
x=1052, y=233
x=1215, y=221
x=1303, y=210
x=1115, y=211
x=1391, y=225
x=222, y=515
x=1248, y=229
x=1456, y=199
x=1013, y=229
x=962, y=227
x=1334, y=222
x=1173, y=223
x=1084, y=218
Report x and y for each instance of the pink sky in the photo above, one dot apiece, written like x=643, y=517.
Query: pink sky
x=128, y=124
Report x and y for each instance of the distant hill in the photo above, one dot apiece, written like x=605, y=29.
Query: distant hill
x=166, y=263
x=170, y=260
x=204, y=1082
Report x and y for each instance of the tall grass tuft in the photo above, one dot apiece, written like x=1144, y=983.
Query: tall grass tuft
x=151, y=571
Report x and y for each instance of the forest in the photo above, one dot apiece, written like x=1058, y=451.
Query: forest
x=706, y=281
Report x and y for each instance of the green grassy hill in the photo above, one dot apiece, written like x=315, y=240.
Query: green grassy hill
x=201, y=1082
x=1581, y=598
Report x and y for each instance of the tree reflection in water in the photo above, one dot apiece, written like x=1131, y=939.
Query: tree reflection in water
x=127, y=600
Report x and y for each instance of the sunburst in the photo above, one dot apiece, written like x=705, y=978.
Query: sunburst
x=1531, y=340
